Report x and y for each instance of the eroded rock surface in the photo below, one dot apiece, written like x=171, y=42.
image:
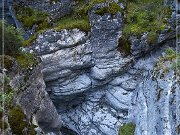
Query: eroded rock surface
x=93, y=85
x=154, y=106
x=35, y=102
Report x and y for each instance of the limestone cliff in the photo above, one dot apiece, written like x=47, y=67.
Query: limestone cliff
x=96, y=79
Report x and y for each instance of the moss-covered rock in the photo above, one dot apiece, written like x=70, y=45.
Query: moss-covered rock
x=112, y=8
x=146, y=16
x=70, y=23
x=26, y=60
x=127, y=129
x=18, y=122
x=124, y=46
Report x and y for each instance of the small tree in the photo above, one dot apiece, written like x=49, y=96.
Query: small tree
x=12, y=38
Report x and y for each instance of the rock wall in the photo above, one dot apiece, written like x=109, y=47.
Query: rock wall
x=35, y=102
x=90, y=82
x=96, y=89
x=155, y=101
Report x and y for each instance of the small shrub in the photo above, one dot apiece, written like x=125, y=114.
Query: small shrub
x=12, y=39
x=127, y=129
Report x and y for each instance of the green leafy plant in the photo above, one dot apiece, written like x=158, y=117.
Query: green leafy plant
x=82, y=24
x=12, y=39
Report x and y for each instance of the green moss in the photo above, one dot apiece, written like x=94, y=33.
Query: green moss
x=26, y=60
x=174, y=57
x=172, y=60
x=145, y=16
x=102, y=11
x=31, y=130
x=70, y=23
x=29, y=41
x=152, y=37
x=124, y=46
x=30, y=17
x=82, y=8
x=77, y=19
x=113, y=8
x=6, y=96
x=127, y=129
x=16, y=119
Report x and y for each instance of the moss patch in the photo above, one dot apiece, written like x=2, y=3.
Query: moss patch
x=30, y=17
x=113, y=8
x=16, y=119
x=79, y=16
x=26, y=60
x=81, y=23
x=124, y=46
x=127, y=129
x=146, y=16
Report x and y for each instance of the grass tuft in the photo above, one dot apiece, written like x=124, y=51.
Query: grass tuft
x=127, y=129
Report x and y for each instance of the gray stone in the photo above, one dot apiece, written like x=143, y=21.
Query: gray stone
x=35, y=102
x=118, y=98
x=153, y=103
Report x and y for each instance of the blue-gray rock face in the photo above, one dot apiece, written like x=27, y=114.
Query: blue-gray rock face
x=155, y=102
x=93, y=86
x=35, y=102
x=78, y=70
